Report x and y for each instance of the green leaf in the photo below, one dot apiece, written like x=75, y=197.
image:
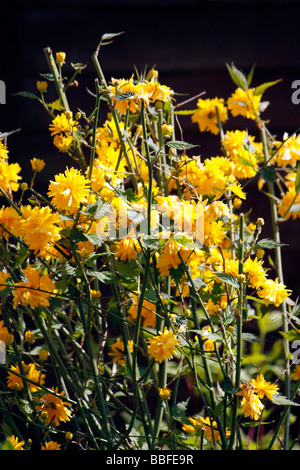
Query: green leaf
x=253, y=424
x=259, y=90
x=250, y=76
x=250, y=337
x=179, y=145
x=228, y=279
x=178, y=412
x=282, y=400
x=94, y=238
x=103, y=276
x=27, y=94
x=267, y=243
x=109, y=36
x=124, y=96
x=292, y=335
x=238, y=77
x=268, y=174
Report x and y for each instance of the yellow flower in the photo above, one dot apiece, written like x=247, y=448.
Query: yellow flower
x=51, y=445
x=273, y=292
x=128, y=248
x=31, y=372
x=118, y=350
x=62, y=142
x=252, y=406
x=62, y=123
x=263, y=388
x=60, y=57
x=56, y=410
x=255, y=272
x=148, y=313
x=164, y=393
x=3, y=151
x=244, y=103
x=5, y=336
x=14, y=441
x=3, y=279
x=43, y=355
x=289, y=201
x=287, y=153
x=40, y=228
x=10, y=219
x=29, y=336
x=69, y=190
x=162, y=347
x=295, y=375
x=236, y=189
x=9, y=176
x=36, y=291
x=37, y=164
x=237, y=146
x=206, y=115
x=42, y=86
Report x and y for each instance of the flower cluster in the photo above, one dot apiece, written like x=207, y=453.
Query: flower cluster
x=137, y=273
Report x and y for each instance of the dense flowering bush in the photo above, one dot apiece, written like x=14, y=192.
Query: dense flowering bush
x=127, y=289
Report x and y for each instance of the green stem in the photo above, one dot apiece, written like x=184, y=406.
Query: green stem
x=56, y=76
x=93, y=150
x=278, y=256
x=239, y=323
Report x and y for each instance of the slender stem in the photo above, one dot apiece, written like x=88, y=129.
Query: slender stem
x=278, y=256
x=93, y=150
x=239, y=323
x=56, y=76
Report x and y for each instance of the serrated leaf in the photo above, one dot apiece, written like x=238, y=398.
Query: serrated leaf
x=238, y=77
x=259, y=90
x=283, y=400
x=103, y=276
x=124, y=96
x=292, y=335
x=268, y=243
x=250, y=337
x=250, y=76
x=179, y=145
x=178, y=412
x=94, y=238
x=228, y=279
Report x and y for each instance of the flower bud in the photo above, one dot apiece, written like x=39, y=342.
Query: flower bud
x=69, y=436
x=43, y=355
x=60, y=57
x=42, y=86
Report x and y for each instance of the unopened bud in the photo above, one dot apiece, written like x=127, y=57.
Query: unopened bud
x=60, y=57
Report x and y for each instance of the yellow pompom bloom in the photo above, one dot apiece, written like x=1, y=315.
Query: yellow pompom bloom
x=273, y=292
x=60, y=57
x=162, y=347
x=56, y=409
x=62, y=123
x=243, y=151
x=37, y=164
x=69, y=190
x=206, y=115
x=36, y=291
x=287, y=153
x=9, y=176
x=255, y=272
x=43, y=355
x=40, y=228
x=29, y=336
x=263, y=388
x=244, y=103
x=51, y=445
x=42, y=86
x=164, y=393
x=14, y=441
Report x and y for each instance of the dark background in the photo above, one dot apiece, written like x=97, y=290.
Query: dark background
x=188, y=41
